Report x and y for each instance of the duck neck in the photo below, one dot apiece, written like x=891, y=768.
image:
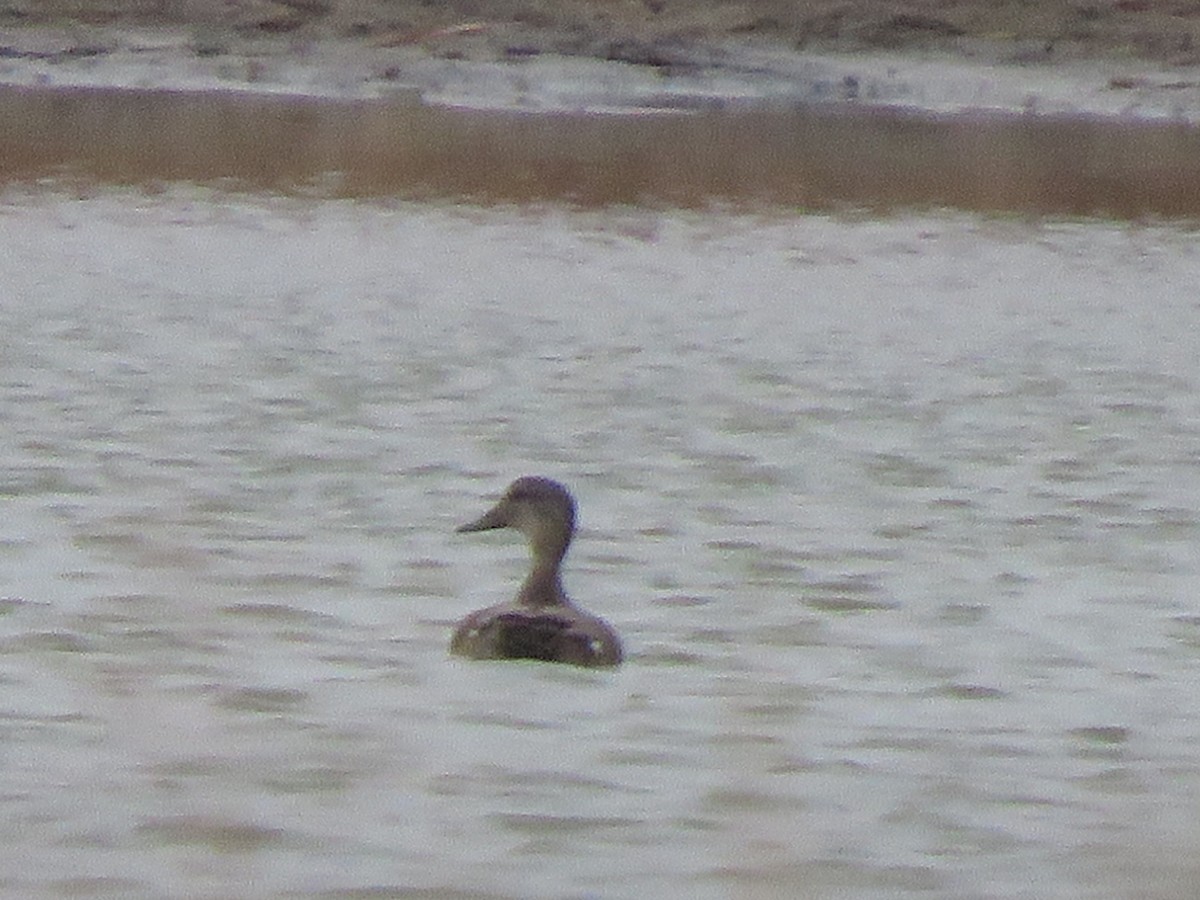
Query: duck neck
x=543, y=585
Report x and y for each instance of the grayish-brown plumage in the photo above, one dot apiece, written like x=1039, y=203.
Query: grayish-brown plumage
x=541, y=623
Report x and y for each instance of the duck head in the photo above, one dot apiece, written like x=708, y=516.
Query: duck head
x=540, y=508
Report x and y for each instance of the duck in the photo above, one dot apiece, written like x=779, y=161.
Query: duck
x=542, y=623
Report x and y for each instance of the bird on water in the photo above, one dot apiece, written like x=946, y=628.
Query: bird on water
x=542, y=622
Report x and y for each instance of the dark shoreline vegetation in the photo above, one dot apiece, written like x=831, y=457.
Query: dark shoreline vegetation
x=660, y=32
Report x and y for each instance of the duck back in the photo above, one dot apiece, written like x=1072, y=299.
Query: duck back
x=560, y=635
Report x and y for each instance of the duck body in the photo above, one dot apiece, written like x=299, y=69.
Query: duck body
x=510, y=631
x=541, y=623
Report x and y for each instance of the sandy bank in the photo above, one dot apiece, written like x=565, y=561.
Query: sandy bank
x=619, y=56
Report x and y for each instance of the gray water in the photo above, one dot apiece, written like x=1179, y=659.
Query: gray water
x=898, y=518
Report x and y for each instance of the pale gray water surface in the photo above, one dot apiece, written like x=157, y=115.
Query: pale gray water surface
x=899, y=519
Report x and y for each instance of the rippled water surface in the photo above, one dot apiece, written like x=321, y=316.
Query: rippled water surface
x=899, y=519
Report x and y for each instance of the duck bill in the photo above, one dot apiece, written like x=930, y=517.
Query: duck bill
x=496, y=517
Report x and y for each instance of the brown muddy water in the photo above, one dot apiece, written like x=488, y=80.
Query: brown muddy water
x=813, y=156
x=898, y=516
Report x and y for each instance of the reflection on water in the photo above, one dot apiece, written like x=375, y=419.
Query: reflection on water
x=819, y=157
x=897, y=517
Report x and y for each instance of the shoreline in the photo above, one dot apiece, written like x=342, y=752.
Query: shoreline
x=703, y=74
x=727, y=118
